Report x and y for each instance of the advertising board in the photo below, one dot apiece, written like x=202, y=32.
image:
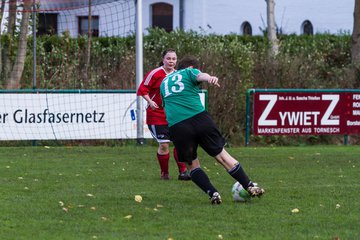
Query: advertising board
x=306, y=113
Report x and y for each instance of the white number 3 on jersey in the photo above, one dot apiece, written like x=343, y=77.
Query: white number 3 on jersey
x=176, y=88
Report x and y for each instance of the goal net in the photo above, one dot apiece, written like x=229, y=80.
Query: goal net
x=108, y=18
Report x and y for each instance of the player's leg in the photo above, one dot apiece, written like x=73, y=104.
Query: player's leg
x=183, y=174
x=237, y=172
x=182, y=135
x=163, y=157
x=201, y=179
x=162, y=135
x=234, y=168
x=165, y=135
x=162, y=154
x=213, y=143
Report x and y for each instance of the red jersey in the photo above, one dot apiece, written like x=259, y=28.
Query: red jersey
x=151, y=86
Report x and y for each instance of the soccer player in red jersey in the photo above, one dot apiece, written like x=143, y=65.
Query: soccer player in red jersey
x=149, y=89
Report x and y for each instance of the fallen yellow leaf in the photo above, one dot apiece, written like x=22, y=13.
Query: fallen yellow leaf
x=295, y=210
x=138, y=198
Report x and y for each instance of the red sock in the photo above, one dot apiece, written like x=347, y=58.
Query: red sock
x=181, y=165
x=164, y=162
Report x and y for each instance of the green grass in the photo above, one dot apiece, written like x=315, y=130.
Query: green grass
x=97, y=186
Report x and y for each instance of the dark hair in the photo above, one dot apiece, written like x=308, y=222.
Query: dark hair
x=167, y=51
x=188, y=61
x=164, y=53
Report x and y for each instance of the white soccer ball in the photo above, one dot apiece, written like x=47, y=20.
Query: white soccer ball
x=239, y=194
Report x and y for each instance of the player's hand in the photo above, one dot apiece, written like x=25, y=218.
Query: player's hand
x=214, y=81
x=153, y=105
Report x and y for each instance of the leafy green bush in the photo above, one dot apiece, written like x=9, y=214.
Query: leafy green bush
x=240, y=62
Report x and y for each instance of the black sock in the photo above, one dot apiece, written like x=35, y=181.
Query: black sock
x=199, y=177
x=239, y=175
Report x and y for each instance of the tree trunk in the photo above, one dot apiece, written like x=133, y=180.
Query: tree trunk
x=88, y=47
x=1, y=47
x=15, y=76
x=272, y=27
x=6, y=53
x=2, y=10
x=355, y=37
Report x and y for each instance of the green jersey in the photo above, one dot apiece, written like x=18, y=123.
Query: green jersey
x=180, y=95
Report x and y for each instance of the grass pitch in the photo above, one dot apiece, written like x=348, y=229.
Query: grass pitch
x=89, y=193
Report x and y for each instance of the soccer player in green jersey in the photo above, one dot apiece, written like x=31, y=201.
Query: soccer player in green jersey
x=190, y=126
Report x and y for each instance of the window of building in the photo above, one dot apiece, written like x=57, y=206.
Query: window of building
x=307, y=28
x=162, y=16
x=84, y=25
x=246, y=29
x=47, y=24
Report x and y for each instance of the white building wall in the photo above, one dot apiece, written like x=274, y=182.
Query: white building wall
x=195, y=15
x=227, y=16
x=224, y=17
x=330, y=16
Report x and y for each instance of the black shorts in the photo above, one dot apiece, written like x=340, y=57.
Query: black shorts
x=198, y=130
x=160, y=133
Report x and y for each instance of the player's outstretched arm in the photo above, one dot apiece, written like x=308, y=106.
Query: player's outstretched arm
x=205, y=77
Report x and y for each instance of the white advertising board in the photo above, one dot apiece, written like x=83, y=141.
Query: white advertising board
x=70, y=116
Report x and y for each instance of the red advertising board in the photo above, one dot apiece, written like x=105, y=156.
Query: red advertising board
x=306, y=113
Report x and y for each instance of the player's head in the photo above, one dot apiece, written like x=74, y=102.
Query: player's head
x=169, y=59
x=188, y=61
